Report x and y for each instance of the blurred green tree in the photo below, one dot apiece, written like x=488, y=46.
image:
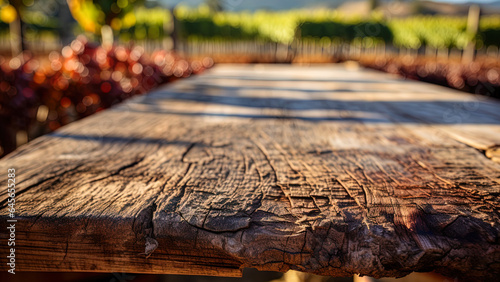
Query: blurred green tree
x=31, y=19
x=101, y=17
x=10, y=12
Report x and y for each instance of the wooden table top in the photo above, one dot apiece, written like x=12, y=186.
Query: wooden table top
x=327, y=169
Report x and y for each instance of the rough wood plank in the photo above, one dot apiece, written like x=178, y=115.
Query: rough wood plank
x=318, y=169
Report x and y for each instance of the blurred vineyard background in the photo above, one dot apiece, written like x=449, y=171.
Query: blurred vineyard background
x=61, y=60
x=396, y=26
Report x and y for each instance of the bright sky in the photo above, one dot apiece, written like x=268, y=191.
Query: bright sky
x=276, y=3
x=466, y=1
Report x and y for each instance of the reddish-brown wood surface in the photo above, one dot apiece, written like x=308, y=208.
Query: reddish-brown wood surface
x=323, y=169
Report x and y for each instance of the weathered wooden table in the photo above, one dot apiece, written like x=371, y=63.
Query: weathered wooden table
x=322, y=169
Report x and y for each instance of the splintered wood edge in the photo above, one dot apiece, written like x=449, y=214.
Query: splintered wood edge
x=83, y=245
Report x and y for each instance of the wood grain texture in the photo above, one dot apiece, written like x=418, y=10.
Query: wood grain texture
x=320, y=169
